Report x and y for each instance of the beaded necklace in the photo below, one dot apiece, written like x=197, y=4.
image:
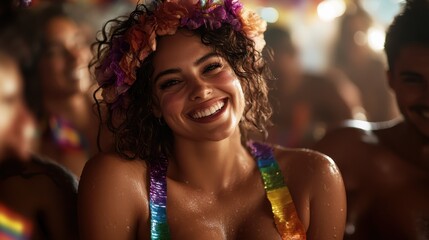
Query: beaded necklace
x=285, y=217
x=66, y=136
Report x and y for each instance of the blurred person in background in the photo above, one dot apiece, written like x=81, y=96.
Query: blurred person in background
x=304, y=105
x=58, y=87
x=37, y=197
x=34, y=192
x=385, y=166
x=363, y=66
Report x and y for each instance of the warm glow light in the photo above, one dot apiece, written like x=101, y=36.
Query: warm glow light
x=269, y=14
x=328, y=10
x=376, y=37
x=360, y=38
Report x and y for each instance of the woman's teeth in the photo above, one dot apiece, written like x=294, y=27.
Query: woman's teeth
x=209, y=111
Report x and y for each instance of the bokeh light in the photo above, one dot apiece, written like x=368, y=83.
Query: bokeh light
x=269, y=14
x=328, y=10
x=376, y=38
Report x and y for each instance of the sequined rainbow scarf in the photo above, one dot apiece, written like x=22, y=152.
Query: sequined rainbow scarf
x=285, y=217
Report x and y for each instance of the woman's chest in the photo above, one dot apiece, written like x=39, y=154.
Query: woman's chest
x=242, y=213
x=234, y=218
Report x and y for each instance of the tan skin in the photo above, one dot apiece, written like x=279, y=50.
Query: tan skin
x=64, y=74
x=385, y=166
x=215, y=189
x=16, y=124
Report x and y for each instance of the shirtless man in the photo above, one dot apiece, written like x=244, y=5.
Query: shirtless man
x=385, y=166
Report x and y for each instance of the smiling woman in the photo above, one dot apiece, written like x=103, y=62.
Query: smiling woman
x=196, y=89
x=184, y=83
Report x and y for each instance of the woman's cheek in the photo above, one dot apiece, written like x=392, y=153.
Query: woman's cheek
x=226, y=77
x=171, y=102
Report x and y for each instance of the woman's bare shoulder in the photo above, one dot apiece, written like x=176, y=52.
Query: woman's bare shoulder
x=295, y=160
x=113, y=176
x=314, y=182
x=114, y=170
x=116, y=189
x=305, y=170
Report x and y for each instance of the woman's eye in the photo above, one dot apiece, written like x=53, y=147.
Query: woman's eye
x=212, y=67
x=168, y=84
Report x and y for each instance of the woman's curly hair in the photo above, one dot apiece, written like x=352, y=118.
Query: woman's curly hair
x=137, y=131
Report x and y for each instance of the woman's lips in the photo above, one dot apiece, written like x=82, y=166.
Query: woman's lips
x=210, y=112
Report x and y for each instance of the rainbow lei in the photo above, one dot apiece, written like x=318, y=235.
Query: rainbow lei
x=117, y=71
x=13, y=226
x=287, y=222
x=285, y=217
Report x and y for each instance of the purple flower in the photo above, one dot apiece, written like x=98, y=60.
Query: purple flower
x=215, y=17
x=110, y=72
x=233, y=6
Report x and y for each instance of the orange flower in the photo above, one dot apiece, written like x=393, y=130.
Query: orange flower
x=254, y=27
x=168, y=17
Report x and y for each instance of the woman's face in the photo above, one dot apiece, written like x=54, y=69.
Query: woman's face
x=199, y=96
x=409, y=80
x=15, y=121
x=63, y=67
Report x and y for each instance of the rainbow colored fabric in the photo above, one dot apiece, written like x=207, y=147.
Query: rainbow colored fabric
x=287, y=222
x=13, y=226
x=66, y=136
x=285, y=217
x=158, y=200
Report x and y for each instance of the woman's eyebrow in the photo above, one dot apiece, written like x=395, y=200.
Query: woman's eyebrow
x=177, y=70
x=205, y=57
x=166, y=72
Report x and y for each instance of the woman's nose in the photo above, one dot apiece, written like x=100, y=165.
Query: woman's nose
x=200, y=89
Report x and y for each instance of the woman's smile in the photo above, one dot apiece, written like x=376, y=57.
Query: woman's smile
x=210, y=111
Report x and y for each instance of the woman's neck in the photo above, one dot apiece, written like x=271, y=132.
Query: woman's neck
x=211, y=165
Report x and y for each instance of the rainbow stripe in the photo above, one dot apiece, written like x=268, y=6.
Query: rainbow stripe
x=158, y=200
x=285, y=217
x=13, y=226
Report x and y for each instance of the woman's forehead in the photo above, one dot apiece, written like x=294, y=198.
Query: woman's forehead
x=184, y=46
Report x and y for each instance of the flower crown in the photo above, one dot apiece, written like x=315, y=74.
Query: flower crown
x=117, y=71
